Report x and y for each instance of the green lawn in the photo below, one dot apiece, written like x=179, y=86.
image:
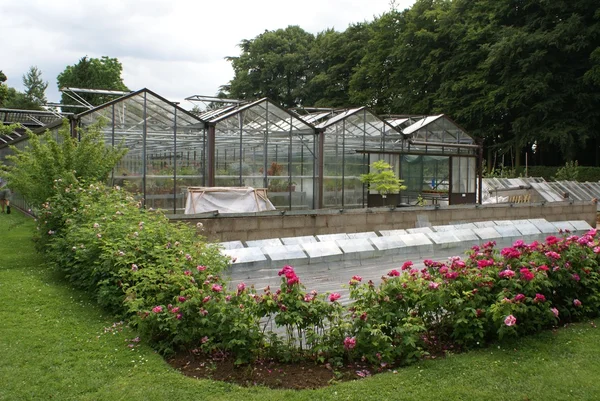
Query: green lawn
x=53, y=345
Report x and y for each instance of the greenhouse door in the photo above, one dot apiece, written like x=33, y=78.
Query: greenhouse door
x=463, y=180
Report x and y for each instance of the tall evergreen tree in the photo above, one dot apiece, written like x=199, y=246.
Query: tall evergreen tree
x=35, y=87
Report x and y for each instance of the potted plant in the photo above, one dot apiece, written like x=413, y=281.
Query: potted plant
x=383, y=180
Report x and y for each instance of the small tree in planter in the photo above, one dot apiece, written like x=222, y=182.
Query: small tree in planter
x=383, y=180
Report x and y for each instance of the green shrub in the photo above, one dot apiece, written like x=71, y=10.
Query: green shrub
x=549, y=173
x=32, y=172
x=569, y=172
x=546, y=172
x=169, y=284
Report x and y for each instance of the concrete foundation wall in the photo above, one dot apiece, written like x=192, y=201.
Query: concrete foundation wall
x=331, y=221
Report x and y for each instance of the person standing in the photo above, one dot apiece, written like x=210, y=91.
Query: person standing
x=4, y=196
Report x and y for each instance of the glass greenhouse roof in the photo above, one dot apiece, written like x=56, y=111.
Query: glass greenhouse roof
x=438, y=129
x=29, y=118
x=126, y=117
x=260, y=116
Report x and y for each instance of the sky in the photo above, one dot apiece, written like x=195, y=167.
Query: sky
x=176, y=48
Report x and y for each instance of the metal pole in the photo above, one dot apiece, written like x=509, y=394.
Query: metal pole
x=266, y=146
x=210, y=153
x=241, y=125
x=480, y=175
x=320, y=168
x=290, y=163
x=175, y=161
x=112, y=174
x=144, y=133
x=343, y=159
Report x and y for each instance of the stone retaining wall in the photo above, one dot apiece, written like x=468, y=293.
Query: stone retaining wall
x=245, y=227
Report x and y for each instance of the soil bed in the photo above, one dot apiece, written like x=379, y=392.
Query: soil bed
x=300, y=375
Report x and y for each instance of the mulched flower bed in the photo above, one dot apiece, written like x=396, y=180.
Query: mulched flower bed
x=297, y=376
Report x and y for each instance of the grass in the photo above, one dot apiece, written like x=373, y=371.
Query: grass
x=54, y=344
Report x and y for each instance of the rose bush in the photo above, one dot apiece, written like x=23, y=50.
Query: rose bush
x=169, y=283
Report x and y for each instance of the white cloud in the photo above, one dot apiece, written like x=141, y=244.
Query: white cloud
x=176, y=48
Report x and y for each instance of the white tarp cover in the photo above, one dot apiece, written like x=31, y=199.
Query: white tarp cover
x=227, y=200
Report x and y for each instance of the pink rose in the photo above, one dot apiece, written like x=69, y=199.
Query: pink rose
x=349, y=343
x=394, y=273
x=555, y=311
x=484, y=263
x=539, y=298
x=286, y=269
x=157, y=309
x=510, y=320
x=451, y=275
x=506, y=273
x=526, y=274
x=334, y=296
x=217, y=288
x=407, y=265
x=519, y=297
x=577, y=303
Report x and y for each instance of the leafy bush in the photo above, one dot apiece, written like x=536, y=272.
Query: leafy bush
x=383, y=180
x=569, y=172
x=546, y=172
x=33, y=171
x=169, y=284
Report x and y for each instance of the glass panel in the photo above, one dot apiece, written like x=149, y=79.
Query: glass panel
x=148, y=126
x=436, y=173
x=464, y=175
x=160, y=168
x=332, y=166
x=472, y=172
x=263, y=146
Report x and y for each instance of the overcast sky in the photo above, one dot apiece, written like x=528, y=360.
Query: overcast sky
x=174, y=47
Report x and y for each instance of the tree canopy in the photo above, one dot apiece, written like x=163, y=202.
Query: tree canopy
x=92, y=73
x=511, y=72
x=34, y=96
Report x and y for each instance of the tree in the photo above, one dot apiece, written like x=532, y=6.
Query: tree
x=35, y=87
x=333, y=59
x=383, y=180
x=92, y=73
x=372, y=84
x=275, y=64
x=3, y=89
x=34, y=96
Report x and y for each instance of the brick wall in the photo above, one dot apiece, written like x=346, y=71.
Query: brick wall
x=330, y=221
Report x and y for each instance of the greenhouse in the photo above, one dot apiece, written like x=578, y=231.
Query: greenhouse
x=262, y=145
x=305, y=159
x=166, y=147
x=440, y=161
x=351, y=140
